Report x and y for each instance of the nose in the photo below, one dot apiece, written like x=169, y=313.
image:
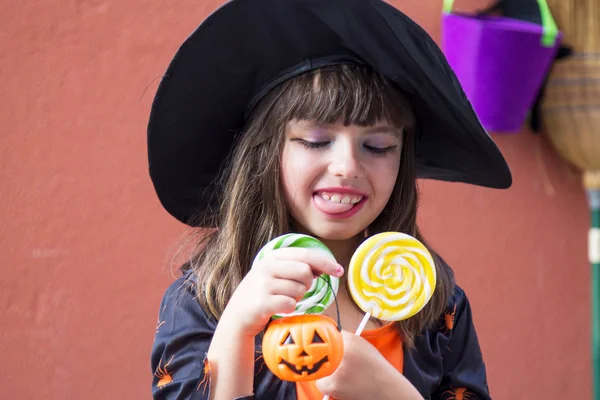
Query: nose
x=303, y=354
x=345, y=162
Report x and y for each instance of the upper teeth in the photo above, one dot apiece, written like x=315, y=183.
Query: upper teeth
x=340, y=198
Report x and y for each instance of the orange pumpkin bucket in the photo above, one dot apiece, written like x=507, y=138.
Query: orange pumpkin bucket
x=303, y=347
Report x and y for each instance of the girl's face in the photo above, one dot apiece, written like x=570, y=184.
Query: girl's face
x=337, y=179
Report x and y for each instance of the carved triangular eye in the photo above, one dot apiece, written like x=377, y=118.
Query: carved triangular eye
x=317, y=338
x=289, y=339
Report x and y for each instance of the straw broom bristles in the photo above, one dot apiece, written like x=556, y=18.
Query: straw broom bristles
x=571, y=106
x=579, y=20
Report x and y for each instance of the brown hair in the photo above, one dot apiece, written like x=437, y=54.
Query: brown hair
x=253, y=209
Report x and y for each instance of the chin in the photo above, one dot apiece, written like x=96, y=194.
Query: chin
x=340, y=233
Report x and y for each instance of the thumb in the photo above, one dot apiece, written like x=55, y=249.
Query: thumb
x=325, y=385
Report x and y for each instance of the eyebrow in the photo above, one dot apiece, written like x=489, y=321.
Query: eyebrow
x=373, y=130
x=385, y=129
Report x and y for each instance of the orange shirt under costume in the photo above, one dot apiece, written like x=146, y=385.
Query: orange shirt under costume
x=385, y=339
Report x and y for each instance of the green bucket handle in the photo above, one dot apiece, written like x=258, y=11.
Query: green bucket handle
x=448, y=6
x=550, y=34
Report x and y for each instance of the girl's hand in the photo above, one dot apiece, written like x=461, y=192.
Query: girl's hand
x=365, y=374
x=274, y=286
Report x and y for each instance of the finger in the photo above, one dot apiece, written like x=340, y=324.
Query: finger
x=288, y=288
x=320, y=263
x=280, y=304
x=291, y=270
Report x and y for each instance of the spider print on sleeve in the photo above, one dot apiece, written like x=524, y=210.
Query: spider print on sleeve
x=449, y=319
x=163, y=375
x=260, y=357
x=159, y=323
x=207, y=371
x=458, y=394
x=446, y=323
x=206, y=377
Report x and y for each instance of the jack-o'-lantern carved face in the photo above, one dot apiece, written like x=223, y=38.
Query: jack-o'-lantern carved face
x=303, y=347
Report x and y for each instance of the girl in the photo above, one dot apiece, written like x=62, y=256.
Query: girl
x=316, y=117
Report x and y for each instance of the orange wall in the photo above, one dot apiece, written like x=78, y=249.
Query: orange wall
x=84, y=241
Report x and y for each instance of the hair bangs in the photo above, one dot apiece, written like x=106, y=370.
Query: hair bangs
x=348, y=94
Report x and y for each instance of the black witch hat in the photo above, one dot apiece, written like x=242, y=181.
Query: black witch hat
x=247, y=47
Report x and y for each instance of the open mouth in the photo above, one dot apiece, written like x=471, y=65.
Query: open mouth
x=340, y=198
x=338, y=205
x=306, y=369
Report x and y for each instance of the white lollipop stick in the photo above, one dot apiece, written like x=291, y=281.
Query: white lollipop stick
x=363, y=323
x=359, y=330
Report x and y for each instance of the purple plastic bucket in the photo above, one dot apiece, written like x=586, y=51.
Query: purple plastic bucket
x=500, y=63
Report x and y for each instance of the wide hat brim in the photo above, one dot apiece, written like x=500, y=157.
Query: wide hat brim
x=246, y=47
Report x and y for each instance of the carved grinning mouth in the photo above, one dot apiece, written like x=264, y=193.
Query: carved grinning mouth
x=305, y=368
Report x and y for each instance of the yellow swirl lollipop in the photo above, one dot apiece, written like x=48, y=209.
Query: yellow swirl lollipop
x=391, y=276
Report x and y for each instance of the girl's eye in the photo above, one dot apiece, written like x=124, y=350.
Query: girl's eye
x=317, y=145
x=379, y=150
x=311, y=145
